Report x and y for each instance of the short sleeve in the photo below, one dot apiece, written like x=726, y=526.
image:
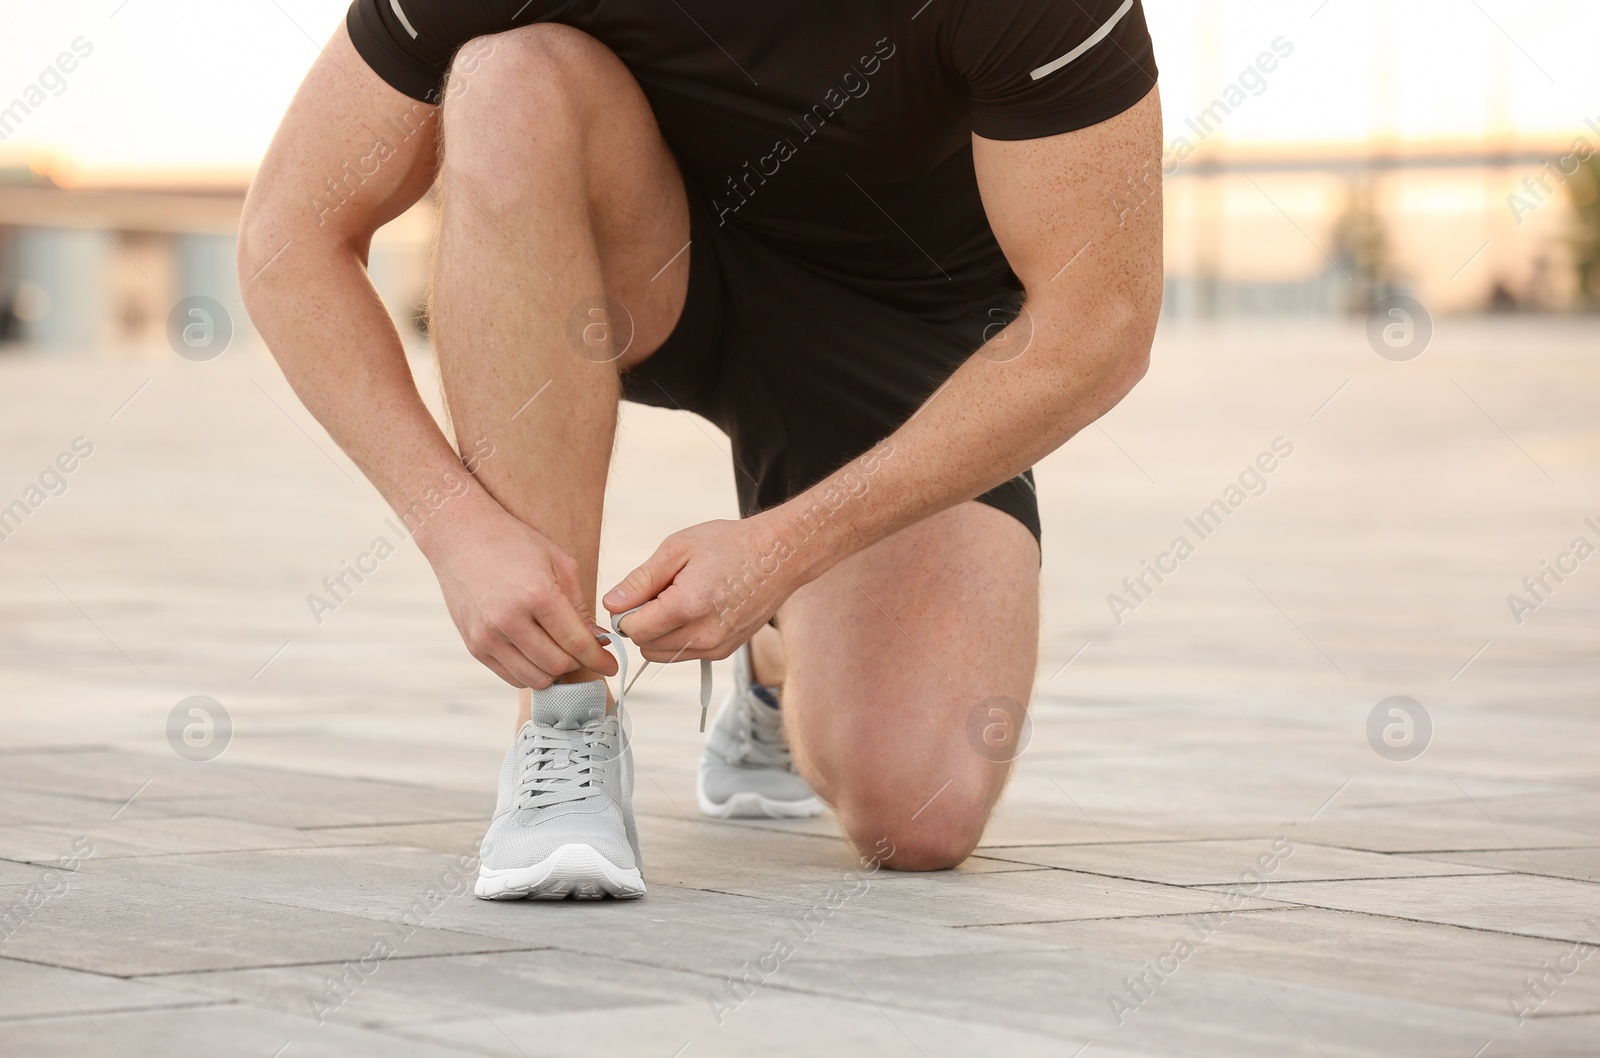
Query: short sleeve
x=1042, y=67
x=410, y=43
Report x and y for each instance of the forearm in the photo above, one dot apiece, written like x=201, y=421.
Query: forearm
x=1094, y=281
x=992, y=420
x=340, y=351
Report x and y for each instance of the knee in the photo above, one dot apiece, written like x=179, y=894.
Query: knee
x=521, y=69
x=521, y=94
x=885, y=829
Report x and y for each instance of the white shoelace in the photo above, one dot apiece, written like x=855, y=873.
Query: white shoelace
x=558, y=765
x=622, y=653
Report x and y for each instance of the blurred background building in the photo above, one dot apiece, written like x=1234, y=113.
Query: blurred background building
x=1320, y=156
x=101, y=265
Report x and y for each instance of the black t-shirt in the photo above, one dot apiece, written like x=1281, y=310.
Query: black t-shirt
x=835, y=130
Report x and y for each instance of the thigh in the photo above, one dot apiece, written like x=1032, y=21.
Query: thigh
x=550, y=144
x=890, y=656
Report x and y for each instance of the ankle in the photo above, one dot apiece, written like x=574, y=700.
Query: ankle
x=586, y=676
x=768, y=665
x=525, y=696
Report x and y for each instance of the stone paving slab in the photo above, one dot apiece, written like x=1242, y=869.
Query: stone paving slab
x=324, y=807
x=230, y=1030
x=1227, y=862
x=1419, y=962
x=1198, y=1010
x=1418, y=834
x=1572, y=812
x=163, y=783
x=454, y=837
x=111, y=839
x=1068, y=994
x=991, y=898
x=405, y=992
x=1253, y=1015
x=714, y=933
x=106, y=925
x=780, y=1025
x=29, y=808
x=28, y=990
x=19, y=875
x=379, y=882
x=1580, y=865
x=1525, y=905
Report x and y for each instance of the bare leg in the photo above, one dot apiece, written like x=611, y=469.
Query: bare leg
x=557, y=191
x=769, y=662
x=889, y=656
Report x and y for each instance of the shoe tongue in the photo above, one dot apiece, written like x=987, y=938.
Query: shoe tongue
x=569, y=705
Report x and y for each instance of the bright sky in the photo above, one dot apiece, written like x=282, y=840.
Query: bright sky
x=184, y=84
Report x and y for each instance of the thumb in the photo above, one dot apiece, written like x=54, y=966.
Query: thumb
x=644, y=583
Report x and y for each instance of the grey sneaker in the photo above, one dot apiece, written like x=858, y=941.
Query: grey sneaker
x=563, y=824
x=746, y=770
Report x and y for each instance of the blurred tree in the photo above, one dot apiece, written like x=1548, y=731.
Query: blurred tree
x=1361, y=248
x=1584, y=187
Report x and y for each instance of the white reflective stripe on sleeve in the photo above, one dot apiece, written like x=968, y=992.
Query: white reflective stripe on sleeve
x=394, y=5
x=1076, y=53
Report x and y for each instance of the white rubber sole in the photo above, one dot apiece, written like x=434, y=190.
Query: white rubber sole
x=756, y=806
x=578, y=871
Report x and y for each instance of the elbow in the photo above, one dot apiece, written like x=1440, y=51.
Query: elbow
x=254, y=247
x=266, y=259
x=1110, y=344
x=1129, y=360
x=1131, y=332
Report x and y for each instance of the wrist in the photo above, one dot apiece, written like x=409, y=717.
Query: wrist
x=830, y=521
x=440, y=530
x=802, y=536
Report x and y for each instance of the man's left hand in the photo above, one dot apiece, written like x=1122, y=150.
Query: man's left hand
x=707, y=590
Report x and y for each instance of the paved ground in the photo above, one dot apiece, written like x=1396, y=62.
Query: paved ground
x=299, y=893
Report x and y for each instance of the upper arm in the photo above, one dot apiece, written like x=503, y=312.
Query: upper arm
x=1079, y=215
x=1067, y=142
x=350, y=155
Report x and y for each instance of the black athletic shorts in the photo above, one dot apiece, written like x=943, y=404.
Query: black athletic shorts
x=802, y=374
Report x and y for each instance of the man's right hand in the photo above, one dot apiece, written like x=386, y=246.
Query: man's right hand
x=516, y=598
